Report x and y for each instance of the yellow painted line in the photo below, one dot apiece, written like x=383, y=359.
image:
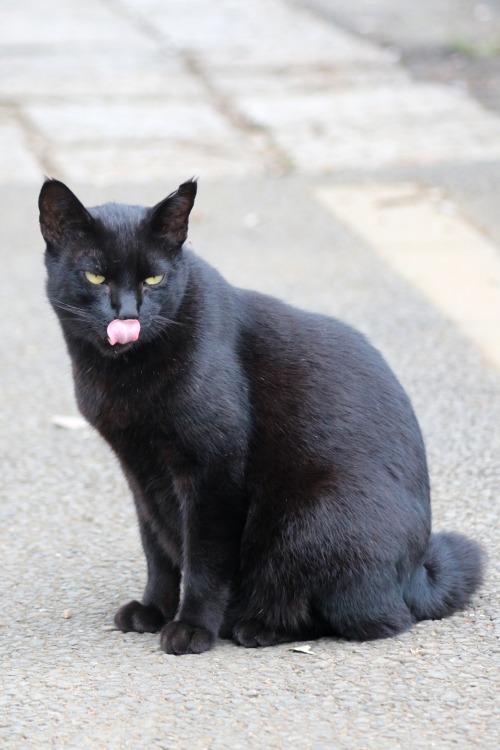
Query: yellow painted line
x=424, y=239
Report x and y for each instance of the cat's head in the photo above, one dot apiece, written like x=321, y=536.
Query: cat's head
x=116, y=273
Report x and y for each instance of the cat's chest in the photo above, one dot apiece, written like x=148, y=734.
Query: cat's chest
x=138, y=418
x=114, y=402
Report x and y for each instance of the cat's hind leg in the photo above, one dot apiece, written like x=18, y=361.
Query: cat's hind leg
x=367, y=608
x=389, y=620
x=276, y=607
x=254, y=633
x=383, y=624
x=304, y=578
x=274, y=603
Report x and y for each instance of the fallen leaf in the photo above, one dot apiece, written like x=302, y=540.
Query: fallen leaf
x=303, y=649
x=69, y=422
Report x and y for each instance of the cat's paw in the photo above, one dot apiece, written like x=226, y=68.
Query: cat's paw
x=252, y=633
x=139, y=617
x=180, y=637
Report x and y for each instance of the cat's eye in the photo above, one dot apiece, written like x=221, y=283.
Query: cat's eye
x=94, y=278
x=153, y=280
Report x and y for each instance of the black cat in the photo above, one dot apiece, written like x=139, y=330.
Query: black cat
x=275, y=461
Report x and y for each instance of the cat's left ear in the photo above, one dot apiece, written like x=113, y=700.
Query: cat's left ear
x=61, y=214
x=169, y=218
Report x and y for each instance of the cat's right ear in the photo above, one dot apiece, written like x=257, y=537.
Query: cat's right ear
x=169, y=219
x=62, y=216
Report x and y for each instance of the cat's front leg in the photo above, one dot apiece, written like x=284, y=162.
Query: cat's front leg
x=205, y=599
x=161, y=595
x=212, y=543
x=138, y=617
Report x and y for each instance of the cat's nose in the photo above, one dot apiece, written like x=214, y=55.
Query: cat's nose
x=128, y=307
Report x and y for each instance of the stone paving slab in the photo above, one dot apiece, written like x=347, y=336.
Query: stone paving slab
x=373, y=127
x=440, y=22
x=191, y=122
x=272, y=84
x=55, y=76
x=227, y=87
x=17, y=162
x=30, y=26
x=162, y=161
x=244, y=34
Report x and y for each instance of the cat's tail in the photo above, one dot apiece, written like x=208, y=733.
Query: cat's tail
x=451, y=571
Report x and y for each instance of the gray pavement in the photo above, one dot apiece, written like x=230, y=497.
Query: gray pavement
x=451, y=41
x=263, y=101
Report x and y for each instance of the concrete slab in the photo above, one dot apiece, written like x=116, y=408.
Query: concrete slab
x=260, y=82
x=439, y=22
x=254, y=33
x=57, y=75
x=162, y=160
x=112, y=121
x=68, y=25
x=18, y=163
x=274, y=83
x=374, y=127
x=451, y=41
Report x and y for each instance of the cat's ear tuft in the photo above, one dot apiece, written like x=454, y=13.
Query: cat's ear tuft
x=61, y=213
x=170, y=218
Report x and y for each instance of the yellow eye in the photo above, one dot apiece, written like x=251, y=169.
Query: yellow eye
x=152, y=280
x=94, y=278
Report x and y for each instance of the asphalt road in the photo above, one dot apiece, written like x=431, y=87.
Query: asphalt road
x=71, y=552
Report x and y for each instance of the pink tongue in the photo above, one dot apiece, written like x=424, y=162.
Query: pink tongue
x=123, y=331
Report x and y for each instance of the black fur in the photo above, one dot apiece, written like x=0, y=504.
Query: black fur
x=274, y=459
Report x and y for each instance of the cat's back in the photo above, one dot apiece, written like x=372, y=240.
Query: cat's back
x=319, y=382
x=285, y=338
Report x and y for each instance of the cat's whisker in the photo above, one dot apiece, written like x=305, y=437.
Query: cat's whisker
x=74, y=310
x=164, y=319
x=157, y=332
